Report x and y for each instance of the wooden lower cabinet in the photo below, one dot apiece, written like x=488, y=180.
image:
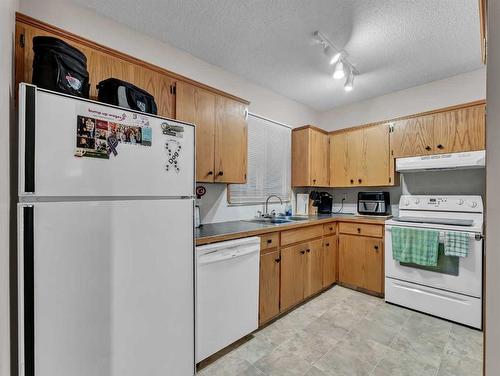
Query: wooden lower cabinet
x=361, y=262
x=269, y=287
x=313, y=268
x=292, y=275
x=329, y=261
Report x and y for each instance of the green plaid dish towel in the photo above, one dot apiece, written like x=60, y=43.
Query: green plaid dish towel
x=411, y=245
x=456, y=244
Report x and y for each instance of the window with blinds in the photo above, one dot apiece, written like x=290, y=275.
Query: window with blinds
x=269, y=163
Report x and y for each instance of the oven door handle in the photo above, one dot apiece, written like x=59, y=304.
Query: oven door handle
x=476, y=235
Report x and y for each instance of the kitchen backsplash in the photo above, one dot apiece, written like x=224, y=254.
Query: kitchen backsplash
x=215, y=208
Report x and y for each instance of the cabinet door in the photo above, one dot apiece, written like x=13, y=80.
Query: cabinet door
x=269, y=287
x=345, y=158
x=413, y=137
x=230, y=141
x=292, y=275
x=313, y=272
x=351, y=259
x=301, y=161
x=339, y=160
x=373, y=265
x=319, y=150
x=460, y=130
x=329, y=260
x=375, y=156
x=197, y=106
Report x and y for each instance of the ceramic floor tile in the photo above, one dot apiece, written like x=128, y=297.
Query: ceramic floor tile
x=428, y=351
x=230, y=367
x=377, y=331
x=278, y=332
x=339, y=362
x=389, y=314
x=453, y=365
x=343, y=316
x=281, y=362
x=308, y=346
x=326, y=328
x=465, y=341
x=315, y=372
x=254, y=349
x=397, y=363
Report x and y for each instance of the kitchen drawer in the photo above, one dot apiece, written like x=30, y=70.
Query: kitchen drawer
x=269, y=240
x=361, y=229
x=329, y=229
x=301, y=234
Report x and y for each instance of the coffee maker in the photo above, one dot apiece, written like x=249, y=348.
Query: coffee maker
x=323, y=201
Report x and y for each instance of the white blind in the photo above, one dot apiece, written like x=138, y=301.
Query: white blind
x=269, y=163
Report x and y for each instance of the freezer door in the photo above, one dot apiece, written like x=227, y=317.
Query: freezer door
x=106, y=288
x=152, y=157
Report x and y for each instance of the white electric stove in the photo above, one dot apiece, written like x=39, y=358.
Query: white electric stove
x=453, y=289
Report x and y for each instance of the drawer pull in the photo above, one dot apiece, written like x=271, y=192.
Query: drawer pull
x=302, y=252
x=327, y=244
x=308, y=250
x=428, y=148
x=376, y=247
x=277, y=260
x=269, y=241
x=440, y=146
x=359, y=229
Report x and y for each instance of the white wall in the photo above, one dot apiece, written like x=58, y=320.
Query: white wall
x=7, y=9
x=492, y=188
x=264, y=102
x=450, y=91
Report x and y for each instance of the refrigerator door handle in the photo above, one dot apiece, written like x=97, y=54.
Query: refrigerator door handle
x=27, y=131
x=27, y=275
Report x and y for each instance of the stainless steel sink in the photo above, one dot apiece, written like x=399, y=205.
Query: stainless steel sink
x=279, y=219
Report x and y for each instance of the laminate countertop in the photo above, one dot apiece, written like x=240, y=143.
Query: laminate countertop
x=216, y=232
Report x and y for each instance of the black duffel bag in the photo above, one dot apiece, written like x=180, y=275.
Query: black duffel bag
x=60, y=67
x=124, y=94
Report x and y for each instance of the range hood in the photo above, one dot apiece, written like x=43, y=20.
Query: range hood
x=453, y=161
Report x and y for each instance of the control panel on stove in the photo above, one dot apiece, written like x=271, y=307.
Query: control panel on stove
x=442, y=203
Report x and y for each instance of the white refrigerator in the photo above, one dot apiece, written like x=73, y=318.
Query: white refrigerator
x=106, y=250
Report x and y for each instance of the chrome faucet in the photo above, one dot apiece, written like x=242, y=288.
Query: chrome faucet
x=266, y=213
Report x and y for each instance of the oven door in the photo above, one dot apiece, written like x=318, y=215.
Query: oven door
x=457, y=274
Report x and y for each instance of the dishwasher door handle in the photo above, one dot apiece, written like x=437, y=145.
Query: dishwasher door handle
x=226, y=255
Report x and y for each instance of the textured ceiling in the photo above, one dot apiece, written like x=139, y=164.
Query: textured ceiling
x=395, y=44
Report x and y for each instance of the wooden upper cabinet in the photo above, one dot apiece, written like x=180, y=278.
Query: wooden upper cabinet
x=231, y=137
x=101, y=65
x=460, y=130
x=196, y=105
x=412, y=137
x=310, y=155
x=361, y=157
x=449, y=131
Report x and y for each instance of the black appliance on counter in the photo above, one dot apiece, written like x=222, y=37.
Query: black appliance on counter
x=374, y=203
x=323, y=201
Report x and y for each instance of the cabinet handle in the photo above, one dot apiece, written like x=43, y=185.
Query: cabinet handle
x=308, y=250
x=277, y=260
x=269, y=241
x=210, y=173
x=376, y=247
x=220, y=173
x=359, y=180
x=302, y=252
x=327, y=244
x=359, y=230
x=440, y=146
x=428, y=148
x=352, y=181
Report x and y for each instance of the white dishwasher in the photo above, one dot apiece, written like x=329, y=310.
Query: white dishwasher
x=227, y=293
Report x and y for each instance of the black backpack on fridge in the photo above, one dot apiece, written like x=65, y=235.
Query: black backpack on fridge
x=60, y=67
x=124, y=94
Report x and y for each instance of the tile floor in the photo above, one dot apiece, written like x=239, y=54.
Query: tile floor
x=346, y=333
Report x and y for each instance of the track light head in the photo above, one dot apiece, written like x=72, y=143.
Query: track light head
x=339, y=73
x=349, y=83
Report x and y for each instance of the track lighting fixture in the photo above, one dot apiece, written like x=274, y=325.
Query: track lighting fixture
x=339, y=58
x=349, y=83
x=339, y=73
